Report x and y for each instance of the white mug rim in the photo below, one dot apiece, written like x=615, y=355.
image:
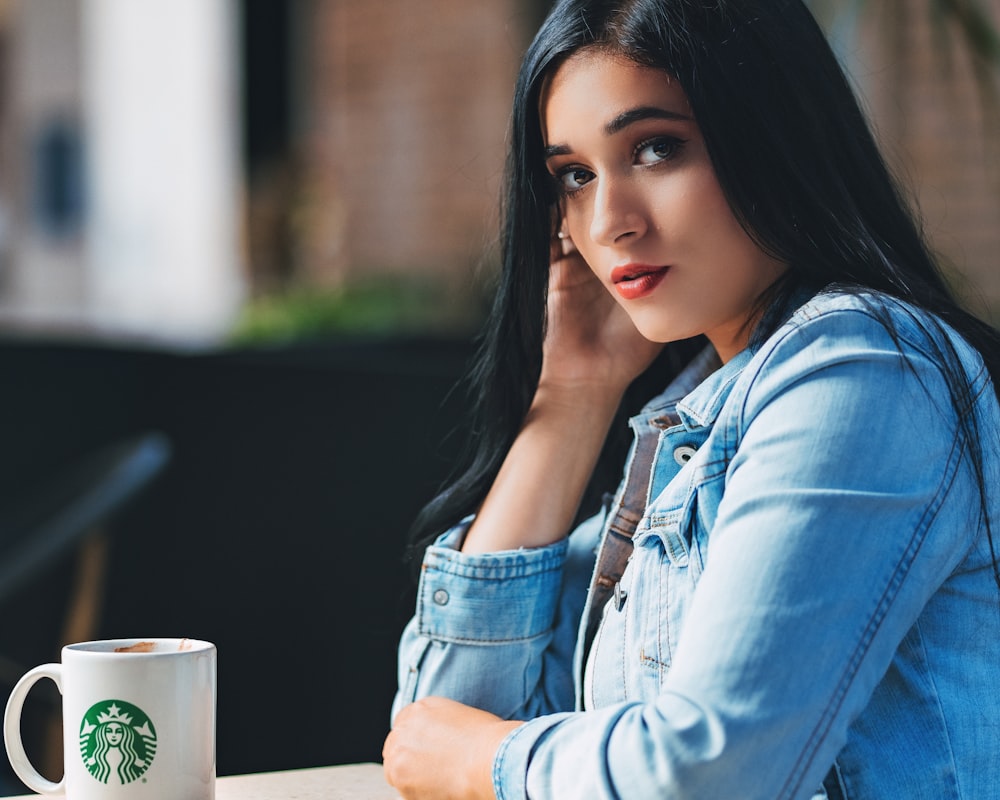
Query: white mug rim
x=105, y=648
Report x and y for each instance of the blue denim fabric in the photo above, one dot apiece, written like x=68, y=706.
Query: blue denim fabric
x=809, y=602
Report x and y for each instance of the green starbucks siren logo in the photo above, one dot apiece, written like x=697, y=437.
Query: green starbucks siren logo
x=115, y=736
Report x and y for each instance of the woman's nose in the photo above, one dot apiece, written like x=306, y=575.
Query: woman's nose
x=617, y=213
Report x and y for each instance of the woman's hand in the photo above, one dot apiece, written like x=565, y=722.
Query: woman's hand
x=589, y=340
x=442, y=750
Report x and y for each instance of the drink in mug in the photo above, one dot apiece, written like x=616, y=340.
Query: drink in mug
x=138, y=720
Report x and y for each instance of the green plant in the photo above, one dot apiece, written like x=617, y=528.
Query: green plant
x=372, y=307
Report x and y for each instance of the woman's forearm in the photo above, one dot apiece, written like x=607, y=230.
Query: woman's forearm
x=537, y=493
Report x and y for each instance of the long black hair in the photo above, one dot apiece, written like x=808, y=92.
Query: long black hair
x=794, y=155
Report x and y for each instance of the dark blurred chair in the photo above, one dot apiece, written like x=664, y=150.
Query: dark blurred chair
x=67, y=511
x=44, y=524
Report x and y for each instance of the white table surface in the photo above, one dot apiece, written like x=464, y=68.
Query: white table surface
x=349, y=782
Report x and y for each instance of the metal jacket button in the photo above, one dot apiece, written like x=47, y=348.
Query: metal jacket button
x=440, y=597
x=683, y=454
x=620, y=596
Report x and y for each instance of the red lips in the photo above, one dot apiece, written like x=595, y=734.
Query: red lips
x=633, y=281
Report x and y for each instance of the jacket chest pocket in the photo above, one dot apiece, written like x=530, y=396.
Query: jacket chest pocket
x=641, y=624
x=665, y=567
x=661, y=586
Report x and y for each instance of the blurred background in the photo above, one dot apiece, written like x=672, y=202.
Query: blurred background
x=244, y=248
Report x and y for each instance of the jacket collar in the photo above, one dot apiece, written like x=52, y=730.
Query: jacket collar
x=701, y=407
x=697, y=394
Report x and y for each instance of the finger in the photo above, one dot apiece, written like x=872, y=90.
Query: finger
x=566, y=244
x=556, y=247
x=562, y=249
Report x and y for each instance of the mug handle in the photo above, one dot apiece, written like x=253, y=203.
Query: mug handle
x=12, y=729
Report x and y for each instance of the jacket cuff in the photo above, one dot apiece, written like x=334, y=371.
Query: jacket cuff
x=492, y=598
x=510, y=764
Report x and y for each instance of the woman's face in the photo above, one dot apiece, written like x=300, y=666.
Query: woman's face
x=642, y=204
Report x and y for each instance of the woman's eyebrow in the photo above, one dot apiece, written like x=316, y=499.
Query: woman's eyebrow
x=555, y=150
x=621, y=122
x=634, y=115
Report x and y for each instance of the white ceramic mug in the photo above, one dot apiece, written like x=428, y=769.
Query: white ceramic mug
x=138, y=720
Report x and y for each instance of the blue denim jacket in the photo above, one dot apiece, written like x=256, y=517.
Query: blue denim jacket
x=809, y=601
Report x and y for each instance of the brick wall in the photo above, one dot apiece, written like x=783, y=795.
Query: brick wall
x=404, y=142
x=940, y=136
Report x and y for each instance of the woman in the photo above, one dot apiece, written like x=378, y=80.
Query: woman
x=796, y=590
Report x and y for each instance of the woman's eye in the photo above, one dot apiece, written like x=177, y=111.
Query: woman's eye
x=574, y=178
x=656, y=150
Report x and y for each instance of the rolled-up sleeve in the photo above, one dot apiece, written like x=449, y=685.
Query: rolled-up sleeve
x=511, y=613
x=459, y=595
